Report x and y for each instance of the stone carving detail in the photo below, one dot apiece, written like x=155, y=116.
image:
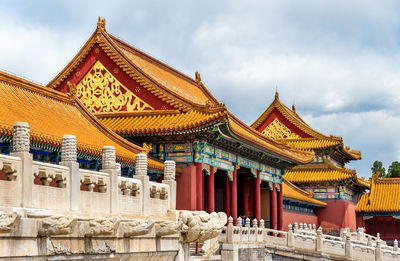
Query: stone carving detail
x=108, y=159
x=8, y=222
x=129, y=188
x=158, y=192
x=169, y=170
x=166, y=228
x=90, y=183
x=46, y=176
x=10, y=169
x=200, y=226
x=101, y=227
x=141, y=164
x=56, y=225
x=21, y=137
x=68, y=148
x=137, y=227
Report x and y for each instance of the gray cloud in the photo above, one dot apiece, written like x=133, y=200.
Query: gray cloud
x=338, y=60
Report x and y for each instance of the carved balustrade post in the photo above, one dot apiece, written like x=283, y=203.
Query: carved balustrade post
x=296, y=228
x=318, y=240
x=348, y=247
x=290, y=236
x=21, y=147
x=378, y=251
x=395, y=245
x=110, y=166
x=141, y=174
x=169, y=179
x=229, y=230
x=69, y=159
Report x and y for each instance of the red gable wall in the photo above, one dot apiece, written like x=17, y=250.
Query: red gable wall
x=277, y=114
x=96, y=53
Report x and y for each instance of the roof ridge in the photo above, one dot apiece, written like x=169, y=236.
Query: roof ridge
x=152, y=59
x=195, y=82
x=34, y=87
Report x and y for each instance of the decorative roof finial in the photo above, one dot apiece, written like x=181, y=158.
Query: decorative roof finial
x=198, y=77
x=375, y=176
x=276, y=95
x=101, y=23
x=71, y=90
x=293, y=108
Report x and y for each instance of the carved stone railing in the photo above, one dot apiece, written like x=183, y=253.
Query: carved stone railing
x=159, y=198
x=11, y=181
x=50, y=186
x=306, y=238
x=94, y=192
x=32, y=184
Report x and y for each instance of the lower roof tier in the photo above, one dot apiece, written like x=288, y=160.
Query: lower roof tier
x=290, y=191
x=323, y=172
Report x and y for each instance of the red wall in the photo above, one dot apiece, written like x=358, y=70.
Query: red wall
x=186, y=188
x=292, y=216
x=337, y=214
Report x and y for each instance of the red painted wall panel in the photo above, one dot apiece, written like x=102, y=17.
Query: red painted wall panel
x=186, y=188
x=292, y=216
x=337, y=214
x=276, y=114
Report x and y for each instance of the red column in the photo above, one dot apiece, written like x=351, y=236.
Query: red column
x=245, y=196
x=257, y=201
x=199, y=186
x=227, y=197
x=234, y=196
x=280, y=208
x=210, y=191
x=376, y=227
x=393, y=227
x=273, y=207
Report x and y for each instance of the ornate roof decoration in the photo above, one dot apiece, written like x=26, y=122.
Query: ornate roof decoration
x=277, y=130
x=100, y=91
x=46, y=110
x=384, y=196
x=290, y=191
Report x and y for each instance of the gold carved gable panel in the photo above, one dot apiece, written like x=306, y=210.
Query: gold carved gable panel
x=277, y=130
x=100, y=91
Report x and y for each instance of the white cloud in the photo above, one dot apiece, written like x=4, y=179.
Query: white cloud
x=339, y=60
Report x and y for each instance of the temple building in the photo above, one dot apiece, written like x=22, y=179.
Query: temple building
x=224, y=164
x=326, y=177
x=380, y=208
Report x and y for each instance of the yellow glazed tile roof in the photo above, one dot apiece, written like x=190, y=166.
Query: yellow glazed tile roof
x=293, y=192
x=318, y=140
x=384, y=196
x=52, y=114
x=149, y=122
x=324, y=172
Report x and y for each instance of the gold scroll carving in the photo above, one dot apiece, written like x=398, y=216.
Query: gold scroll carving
x=277, y=130
x=100, y=91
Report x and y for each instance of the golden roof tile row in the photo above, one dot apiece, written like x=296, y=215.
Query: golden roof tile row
x=325, y=172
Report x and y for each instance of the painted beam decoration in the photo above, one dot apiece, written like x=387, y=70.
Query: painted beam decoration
x=211, y=155
x=341, y=192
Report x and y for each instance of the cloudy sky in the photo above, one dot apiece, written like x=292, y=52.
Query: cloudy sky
x=338, y=61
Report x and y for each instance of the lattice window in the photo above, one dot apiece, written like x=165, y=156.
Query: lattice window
x=277, y=130
x=100, y=91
